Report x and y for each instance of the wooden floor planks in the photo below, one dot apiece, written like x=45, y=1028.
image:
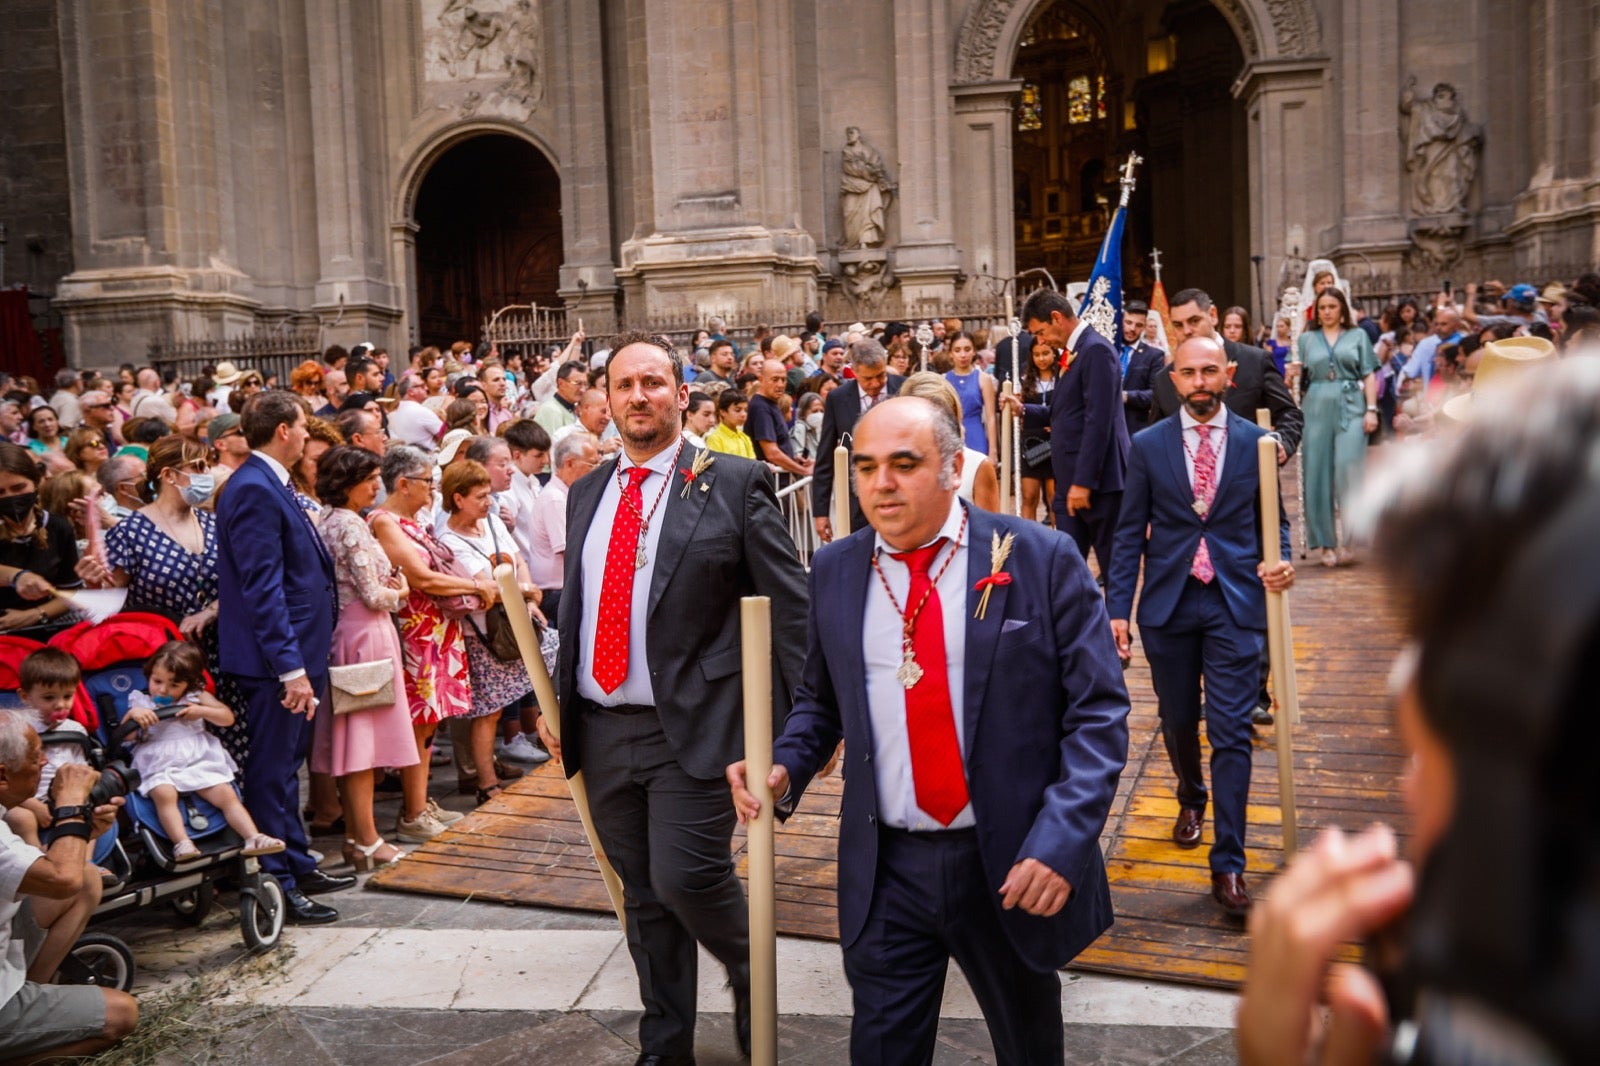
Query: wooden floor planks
x=527, y=846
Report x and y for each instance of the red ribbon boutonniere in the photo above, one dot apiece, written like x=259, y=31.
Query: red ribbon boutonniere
x=702, y=460
x=1067, y=358
x=999, y=552
x=1232, y=369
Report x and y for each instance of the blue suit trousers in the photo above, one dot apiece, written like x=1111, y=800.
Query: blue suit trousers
x=279, y=744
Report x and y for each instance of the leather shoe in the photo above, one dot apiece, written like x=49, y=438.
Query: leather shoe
x=317, y=883
x=302, y=910
x=647, y=1059
x=1186, y=830
x=1229, y=890
x=1262, y=714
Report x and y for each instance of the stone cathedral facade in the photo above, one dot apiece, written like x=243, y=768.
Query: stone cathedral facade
x=396, y=170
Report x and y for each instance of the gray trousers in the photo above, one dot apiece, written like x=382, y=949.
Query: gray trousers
x=669, y=837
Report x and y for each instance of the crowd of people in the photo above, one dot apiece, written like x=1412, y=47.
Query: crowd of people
x=320, y=538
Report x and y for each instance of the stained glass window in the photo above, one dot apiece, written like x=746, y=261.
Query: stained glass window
x=1100, y=97
x=1029, y=110
x=1080, y=105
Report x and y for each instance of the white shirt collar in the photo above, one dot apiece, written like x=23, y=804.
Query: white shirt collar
x=1072, y=341
x=280, y=471
x=1219, y=420
x=659, y=463
x=951, y=527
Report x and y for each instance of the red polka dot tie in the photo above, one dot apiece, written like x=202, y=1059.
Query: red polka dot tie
x=616, y=590
x=937, y=777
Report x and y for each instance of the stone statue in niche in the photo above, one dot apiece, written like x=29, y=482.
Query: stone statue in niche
x=864, y=192
x=1442, y=149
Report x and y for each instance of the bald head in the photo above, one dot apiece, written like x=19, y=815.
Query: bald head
x=1200, y=375
x=907, y=466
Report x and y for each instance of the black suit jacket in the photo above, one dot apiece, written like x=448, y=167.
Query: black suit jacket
x=724, y=539
x=840, y=412
x=1256, y=384
x=1142, y=366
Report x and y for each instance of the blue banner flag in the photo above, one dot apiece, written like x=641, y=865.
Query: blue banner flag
x=1102, y=304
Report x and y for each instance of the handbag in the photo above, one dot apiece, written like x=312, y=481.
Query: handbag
x=357, y=686
x=497, y=634
x=1036, y=453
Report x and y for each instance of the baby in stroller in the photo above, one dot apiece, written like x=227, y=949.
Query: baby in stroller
x=48, y=681
x=174, y=753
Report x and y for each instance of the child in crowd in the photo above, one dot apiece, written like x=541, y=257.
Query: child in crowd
x=733, y=407
x=177, y=754
x=47, y=682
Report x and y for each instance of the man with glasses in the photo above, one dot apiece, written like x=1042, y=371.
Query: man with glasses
x=561, y=409
x=227, y=440
x=120, y=477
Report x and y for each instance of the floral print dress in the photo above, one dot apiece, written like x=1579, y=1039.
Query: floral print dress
x=437, y=684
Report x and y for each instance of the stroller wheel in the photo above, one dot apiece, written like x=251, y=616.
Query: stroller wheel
x=193, y=906
x=98, y=959
x=261, y=913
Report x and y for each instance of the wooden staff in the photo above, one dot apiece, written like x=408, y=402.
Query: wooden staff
x=1005, y=453
x=755, y=626
x=533, y=661
x=841, y=492
x=1280, y=647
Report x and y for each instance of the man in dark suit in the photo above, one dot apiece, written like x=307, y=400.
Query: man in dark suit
x=658, y=555
x=1192, y=514
x=276, y=600
x=873, y=383
x=1088, y=435
x=1253, y=384
x=1140, y=361
x=977, y=784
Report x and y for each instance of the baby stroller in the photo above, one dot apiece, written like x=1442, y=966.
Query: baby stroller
x=112, y=655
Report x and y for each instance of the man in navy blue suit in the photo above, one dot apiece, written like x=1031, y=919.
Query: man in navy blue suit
x=983, y=744
x=1140, y=361
x=1088, y=434
x=1191, y=513
x=276, y=602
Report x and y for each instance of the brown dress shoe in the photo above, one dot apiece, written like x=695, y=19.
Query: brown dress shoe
x=1186, y=830
x=1229, y=890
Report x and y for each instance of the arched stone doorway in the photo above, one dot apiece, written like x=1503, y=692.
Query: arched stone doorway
x=488, y=218
x=1155, y=77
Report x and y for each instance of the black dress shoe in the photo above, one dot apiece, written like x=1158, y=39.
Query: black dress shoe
x=1186, y=830
x=1262, y=714
x=1229, y=891
x=302, y=910
x=317, y=883
x=647, y=1059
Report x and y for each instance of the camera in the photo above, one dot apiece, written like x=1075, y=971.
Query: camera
x=116, y=779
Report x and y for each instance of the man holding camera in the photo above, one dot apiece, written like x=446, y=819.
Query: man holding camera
x=45, y=903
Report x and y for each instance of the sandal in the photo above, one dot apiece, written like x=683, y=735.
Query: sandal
x=487, y=794
x=185, y=852
x=365, y=857
x=261, y=844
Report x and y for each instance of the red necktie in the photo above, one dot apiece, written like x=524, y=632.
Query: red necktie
x=616, y=590
x=936, y=771
x=1205, y=488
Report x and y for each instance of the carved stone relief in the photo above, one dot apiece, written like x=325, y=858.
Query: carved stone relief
x=483, y=55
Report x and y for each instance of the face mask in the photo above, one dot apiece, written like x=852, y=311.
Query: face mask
x=16, y=508
x=814, y=420
x=198, y=490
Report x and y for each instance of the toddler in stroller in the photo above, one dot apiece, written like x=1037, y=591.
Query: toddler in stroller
x=175, y=754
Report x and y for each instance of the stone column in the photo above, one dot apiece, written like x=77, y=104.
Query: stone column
x=925, y=257
x=1291, y=162
x=354, y=293
x=721, y=229
x=588, y=270
x=985, y=230
x=1370, y=77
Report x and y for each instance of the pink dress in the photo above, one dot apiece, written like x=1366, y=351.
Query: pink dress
x=378, y=736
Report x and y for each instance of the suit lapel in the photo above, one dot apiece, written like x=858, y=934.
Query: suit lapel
x=287, y=491
x=1173, y=447
x=856, y=580
x=585, y=499
x=1235, y=460
x=982, y=633
x=682, y=515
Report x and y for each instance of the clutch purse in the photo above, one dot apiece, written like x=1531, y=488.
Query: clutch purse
x=358, y=686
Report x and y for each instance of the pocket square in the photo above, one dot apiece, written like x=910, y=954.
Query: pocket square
x=1011, y=625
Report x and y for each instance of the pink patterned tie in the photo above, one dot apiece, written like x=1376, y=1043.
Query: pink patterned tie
x=1205, y=488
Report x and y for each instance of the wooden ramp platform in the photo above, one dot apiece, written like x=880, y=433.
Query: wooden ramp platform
x=527, y=846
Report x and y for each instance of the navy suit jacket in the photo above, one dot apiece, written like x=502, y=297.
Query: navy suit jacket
x=1045, y=725
x=1158, y=524
x=1142, y=366
x=275, y=589
x=1088, y=433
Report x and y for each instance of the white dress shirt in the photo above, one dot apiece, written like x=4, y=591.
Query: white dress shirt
x=636, y=687
x=886, y=697
x=1072, y=341
x=1191, y=440
x=547, y=532
x=525, y=489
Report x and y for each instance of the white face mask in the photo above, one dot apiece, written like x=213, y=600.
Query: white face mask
x=814, y=420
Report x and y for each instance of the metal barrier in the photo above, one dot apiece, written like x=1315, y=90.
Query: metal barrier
x=794, y=497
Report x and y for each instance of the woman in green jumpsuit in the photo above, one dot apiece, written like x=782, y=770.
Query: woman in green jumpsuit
x=1339, y=368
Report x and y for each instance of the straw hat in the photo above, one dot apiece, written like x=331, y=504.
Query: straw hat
x=1500, y=364
x=451, y=444
x=784, y=346
x=226, y=373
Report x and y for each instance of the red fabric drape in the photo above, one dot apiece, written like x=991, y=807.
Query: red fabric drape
x=20, y=350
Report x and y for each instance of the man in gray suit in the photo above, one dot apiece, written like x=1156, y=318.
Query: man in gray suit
x=659, y=552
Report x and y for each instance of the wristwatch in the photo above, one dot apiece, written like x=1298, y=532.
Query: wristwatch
x=83, y=811
x=1371, y=410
